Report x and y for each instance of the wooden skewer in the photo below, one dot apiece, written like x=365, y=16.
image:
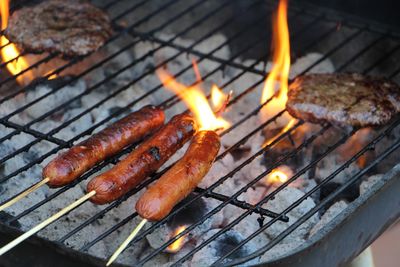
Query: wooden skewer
x=126, y=242
x=45, y=223
x=24, y=194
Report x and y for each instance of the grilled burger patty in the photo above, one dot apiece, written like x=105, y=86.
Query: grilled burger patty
x=346, y=99
x=72, y=28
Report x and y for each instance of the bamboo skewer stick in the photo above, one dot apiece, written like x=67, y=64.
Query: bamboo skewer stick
x=24, y=194
x=46, y=222
x=126, y=242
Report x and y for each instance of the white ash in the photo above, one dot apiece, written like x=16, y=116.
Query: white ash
x=213, y=251
x=329, y=215
x=53, y=100
x=247, y=227
x=283, y=200
x=302, y=63
x=369, y=182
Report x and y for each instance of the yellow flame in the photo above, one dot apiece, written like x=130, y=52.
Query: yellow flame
x=218, y=98
x=196, y=101
x=10, y=51
x=279, y=73
x=178, y=244
x=277, y=177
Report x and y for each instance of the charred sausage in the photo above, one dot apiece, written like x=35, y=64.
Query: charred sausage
x=179, y=181
x=69, y=165
x=143, y=161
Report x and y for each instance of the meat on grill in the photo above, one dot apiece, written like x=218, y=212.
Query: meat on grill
x=179, y=181
x=143, y=161
x=344, y=99
x=69, y=165
x=73, y=28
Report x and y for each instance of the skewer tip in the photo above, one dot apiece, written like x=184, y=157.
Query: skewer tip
x=126, y=242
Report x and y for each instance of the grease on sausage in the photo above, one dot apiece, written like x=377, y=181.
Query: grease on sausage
x=179, y=181
x=69, y=165
x=143, y=161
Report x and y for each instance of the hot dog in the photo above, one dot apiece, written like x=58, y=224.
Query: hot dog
x=69, y=165
x=143, y=161
x=179, y=181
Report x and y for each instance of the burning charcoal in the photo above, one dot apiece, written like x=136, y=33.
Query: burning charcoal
x=283, y=200
x=216, y=249
x=369, y=182
x=328, y=216
x=55, y=99
x=5, y=217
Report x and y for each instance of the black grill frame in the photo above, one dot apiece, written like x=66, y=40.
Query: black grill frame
x=225, y=200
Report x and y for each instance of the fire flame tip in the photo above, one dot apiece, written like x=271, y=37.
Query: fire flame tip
x=196, y=101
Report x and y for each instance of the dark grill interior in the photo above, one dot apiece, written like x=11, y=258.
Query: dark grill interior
x=311, y=29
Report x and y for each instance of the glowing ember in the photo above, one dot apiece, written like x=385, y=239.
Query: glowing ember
x=178, y=244
x=278, y=176
x=9, y=52
x=279, y=73
x=196, y=101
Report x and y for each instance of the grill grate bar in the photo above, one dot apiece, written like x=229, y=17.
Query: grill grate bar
x=382, y=59
x=370, y=146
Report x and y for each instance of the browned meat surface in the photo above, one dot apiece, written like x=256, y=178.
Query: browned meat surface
x=344, y=99
x=71, y=164
x=72, y=28
x=179, y=181
x=143, y=161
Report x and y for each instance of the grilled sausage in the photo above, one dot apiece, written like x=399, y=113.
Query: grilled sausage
x=179, y=181
x=69, y=165
x=143, y=161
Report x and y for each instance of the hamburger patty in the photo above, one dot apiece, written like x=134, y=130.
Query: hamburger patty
x=345, y=99
x=73, y=28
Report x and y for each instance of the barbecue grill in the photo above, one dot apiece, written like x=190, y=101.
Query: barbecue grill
x=335, y=35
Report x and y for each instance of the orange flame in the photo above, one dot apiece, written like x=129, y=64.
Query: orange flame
x=279, y=73
x=196, y=101
x=178, y=244
x=10, y=51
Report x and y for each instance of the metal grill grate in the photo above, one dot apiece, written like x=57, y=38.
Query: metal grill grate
x=170, y=13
